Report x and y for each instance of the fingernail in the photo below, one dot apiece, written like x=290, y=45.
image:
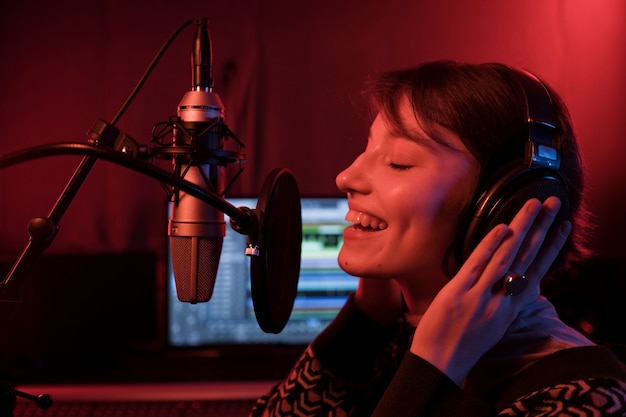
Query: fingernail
x=501, y=230
x=564, y=228
x=533, y=206
x=555, y=207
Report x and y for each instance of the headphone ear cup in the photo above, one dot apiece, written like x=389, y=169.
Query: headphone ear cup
x=502, y=201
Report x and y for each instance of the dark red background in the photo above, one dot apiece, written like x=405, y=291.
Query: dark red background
x=288, y=73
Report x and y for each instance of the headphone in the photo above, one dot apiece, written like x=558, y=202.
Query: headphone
x=536, y=175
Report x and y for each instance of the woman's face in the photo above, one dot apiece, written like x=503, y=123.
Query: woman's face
x=405, y=198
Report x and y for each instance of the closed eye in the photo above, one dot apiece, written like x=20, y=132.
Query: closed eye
x=399, y=167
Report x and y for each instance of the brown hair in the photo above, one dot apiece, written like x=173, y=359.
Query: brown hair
x=485, y=105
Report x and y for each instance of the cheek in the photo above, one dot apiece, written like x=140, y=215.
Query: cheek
x=452, y=208
x=423, y=226
x=455, y=204
x=442, y=197
x=440, y=212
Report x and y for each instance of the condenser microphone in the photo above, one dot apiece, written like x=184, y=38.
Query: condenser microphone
x=196, y=229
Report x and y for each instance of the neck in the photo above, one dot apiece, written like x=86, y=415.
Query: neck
x=419, y=289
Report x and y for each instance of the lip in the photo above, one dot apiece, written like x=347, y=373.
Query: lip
x=352, y=232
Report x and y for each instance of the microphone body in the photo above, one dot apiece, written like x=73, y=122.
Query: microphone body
x=196, y=229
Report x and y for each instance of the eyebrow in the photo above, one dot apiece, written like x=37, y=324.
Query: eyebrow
x=432, y=135
x=419, y=137
x=425, y=133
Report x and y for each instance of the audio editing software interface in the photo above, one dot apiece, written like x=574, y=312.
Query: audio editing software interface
x=228, y=318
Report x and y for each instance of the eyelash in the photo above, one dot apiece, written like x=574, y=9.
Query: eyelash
x=399, y=167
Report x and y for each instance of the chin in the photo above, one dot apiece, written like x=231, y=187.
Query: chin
x=350, y=265
x=360, y=269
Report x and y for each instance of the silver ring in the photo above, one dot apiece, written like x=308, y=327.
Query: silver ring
x=514, y=283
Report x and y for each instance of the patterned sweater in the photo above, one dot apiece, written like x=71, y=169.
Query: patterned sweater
x=357, y=368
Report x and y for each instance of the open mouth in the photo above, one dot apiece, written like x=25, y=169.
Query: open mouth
x=364, y=221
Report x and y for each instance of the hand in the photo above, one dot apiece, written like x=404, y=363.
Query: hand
x=379, y=299
x=472, y=312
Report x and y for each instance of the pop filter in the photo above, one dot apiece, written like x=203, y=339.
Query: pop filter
x=275, y=271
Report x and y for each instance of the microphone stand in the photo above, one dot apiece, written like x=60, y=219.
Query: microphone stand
x=274, y=228
x=8, y=400
x=109, y=143
x=42, y=230
x=274, y=250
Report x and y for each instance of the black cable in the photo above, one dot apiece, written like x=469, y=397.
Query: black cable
x=147, y=72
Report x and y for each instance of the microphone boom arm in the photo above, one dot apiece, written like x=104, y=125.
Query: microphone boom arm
x=42, y=230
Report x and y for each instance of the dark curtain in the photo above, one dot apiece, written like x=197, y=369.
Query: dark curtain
x=289, y=74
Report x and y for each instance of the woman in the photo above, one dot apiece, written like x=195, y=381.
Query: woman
x=432, y=330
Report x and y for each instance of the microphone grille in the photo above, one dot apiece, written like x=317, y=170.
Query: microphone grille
x=195, y=261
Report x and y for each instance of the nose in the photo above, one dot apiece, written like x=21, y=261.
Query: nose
x=354, y=178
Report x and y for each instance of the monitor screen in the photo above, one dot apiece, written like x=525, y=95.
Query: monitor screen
x=228, y=317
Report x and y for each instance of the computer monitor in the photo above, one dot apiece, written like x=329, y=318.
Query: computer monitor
x=228, y=318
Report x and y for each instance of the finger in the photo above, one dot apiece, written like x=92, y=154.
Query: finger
x=476, y=263
x=504, y=256
x=536, y=235
x=554, y=242
x=540, y=240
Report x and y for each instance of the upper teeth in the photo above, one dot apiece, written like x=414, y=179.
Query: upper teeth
x=365, y=220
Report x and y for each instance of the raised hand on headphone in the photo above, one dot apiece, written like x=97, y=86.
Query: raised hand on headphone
x=473, y=311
